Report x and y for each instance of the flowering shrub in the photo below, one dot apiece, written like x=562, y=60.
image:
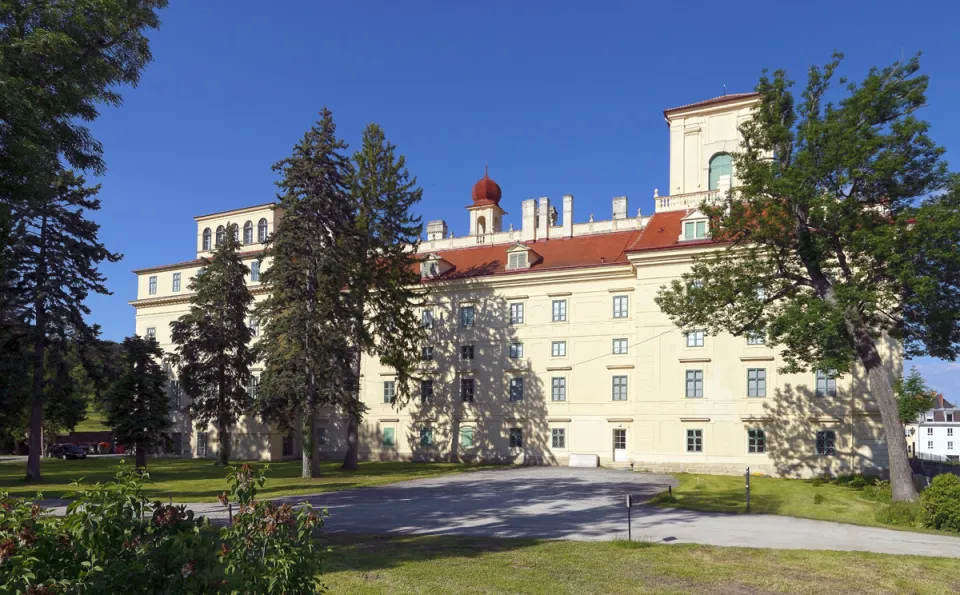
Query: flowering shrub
x=112, y=539
x=269, y=548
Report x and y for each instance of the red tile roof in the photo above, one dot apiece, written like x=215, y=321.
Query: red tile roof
x=721, y=99
x=556, y=253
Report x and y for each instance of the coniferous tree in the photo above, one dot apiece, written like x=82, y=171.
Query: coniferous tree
x=838, y=236
x=213, y=351
x=303, y=345
x=382, y=290
x=137, y=406
x=55, y=254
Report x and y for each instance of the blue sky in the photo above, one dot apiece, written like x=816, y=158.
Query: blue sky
x=558, y=97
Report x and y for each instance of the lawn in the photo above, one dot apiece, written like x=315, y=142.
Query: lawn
x=93, y=422
x=427, y=564
x=198, y=480
x=771, y=495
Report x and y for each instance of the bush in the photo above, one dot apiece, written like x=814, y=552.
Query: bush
x=901, y=514
x=941, y=503
x=880, y=491
x=818, y=498
x=112, y=539
x=816, y=482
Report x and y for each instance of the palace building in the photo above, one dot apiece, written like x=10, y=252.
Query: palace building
x=546, y=342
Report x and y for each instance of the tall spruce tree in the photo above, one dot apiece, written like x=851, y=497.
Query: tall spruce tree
x=303, y=344
x=137, y=406
x=55, y=254
x=213, y=351
x=838, y=235
x=383, y=276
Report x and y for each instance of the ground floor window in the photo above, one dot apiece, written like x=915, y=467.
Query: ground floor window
x=175, y=446
x=694, y=440
x=426, y=436
x=757, y=441
x=826, y=442
x=516, y=438
x=558, y=438
x=619, y=440
x=321, y=436
x=466, y=437
x=202, y=444
x=287, y=445
x=389, y=437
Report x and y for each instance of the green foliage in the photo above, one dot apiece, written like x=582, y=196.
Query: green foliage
x=818, y=498
x=212, y=341
x=137, y=405
x=941, y=503
x=914, y=397
x=838, y=233
x=879, y=491
x=900, y=514
x=816, y=482
x=269, y=548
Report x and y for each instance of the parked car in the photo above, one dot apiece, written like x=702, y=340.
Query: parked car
x=67, y=451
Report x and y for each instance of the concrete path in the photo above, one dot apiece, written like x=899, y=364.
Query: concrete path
x=584, y=504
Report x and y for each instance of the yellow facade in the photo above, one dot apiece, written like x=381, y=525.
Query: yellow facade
x=611, y=377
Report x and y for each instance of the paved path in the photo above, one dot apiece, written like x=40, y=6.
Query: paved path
x=584, y=504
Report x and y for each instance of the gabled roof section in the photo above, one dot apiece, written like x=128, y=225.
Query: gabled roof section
x=714, y=101
x=190, y=263
x=553, y=254
x=662, y=232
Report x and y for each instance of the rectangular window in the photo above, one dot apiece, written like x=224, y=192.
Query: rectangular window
x=254, y=325
x=517, y=260
x=516, y=350
x=466, y=352
x=466, y=437
x=949, y=417
x=153, y=285
x=287, y=445
x=558, y=349
x=930, y=445
x=694, y=389
x=695, y=338
x=620, y=306
x=619, y=346
x=826, y=442
x=255, y=271
x=694, y=230
x=619, y=388
x=694, y=440
x=151, y=332
x=426, y=319
x=516, y=389
x=321, y=436
x=558, y=438
x=756, y=339
x=389, y=437
x=757, y=382
x=176, y=282
x=426, y=390
x=516, y=438
x=559, y=311
x=949, y=445
x=201, y=444
x=467, y=315
x=253, y=387
x=467, y=390
x=389, y=391
x=826, y=383
x=949, y=431
x=426, y=436
x=929, y=431
x=756, y=441
x=558, y=389
x=426, y=353
x=176, y=393
x=516, y=313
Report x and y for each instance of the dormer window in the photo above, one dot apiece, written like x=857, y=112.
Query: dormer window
x=520, y=257
x=695, y=230
x=429, y=268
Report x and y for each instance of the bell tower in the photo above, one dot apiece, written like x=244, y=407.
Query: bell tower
x=486, y=216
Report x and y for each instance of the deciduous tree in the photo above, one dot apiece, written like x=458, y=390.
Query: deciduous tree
x=838, y=234
x=213, y=351
x=137, y=405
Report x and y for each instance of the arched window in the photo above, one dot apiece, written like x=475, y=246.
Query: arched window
x=221, y=235
x=262, y=231
x=721, y=164
x=206, y=239
x=248, y=232
x=236, y=232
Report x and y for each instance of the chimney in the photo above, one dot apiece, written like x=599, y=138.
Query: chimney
x=436, y=230
x=619, y=207
x=567, y=216
x=543, y=219
x=528, y=220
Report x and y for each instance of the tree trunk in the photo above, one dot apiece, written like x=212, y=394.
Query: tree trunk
x=223, y=455
x=39, y=357
x=141, y=456
x=353, y=424
x=311, y=460
x=901, y=474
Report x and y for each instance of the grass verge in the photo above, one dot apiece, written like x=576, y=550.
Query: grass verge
x=802, y=498
x=199, y=480
x=428, y=564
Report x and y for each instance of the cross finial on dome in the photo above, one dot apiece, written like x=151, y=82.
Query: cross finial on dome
x=486, y=170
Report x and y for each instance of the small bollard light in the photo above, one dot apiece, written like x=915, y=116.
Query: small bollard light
x=747, y=475
x=629, y=523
